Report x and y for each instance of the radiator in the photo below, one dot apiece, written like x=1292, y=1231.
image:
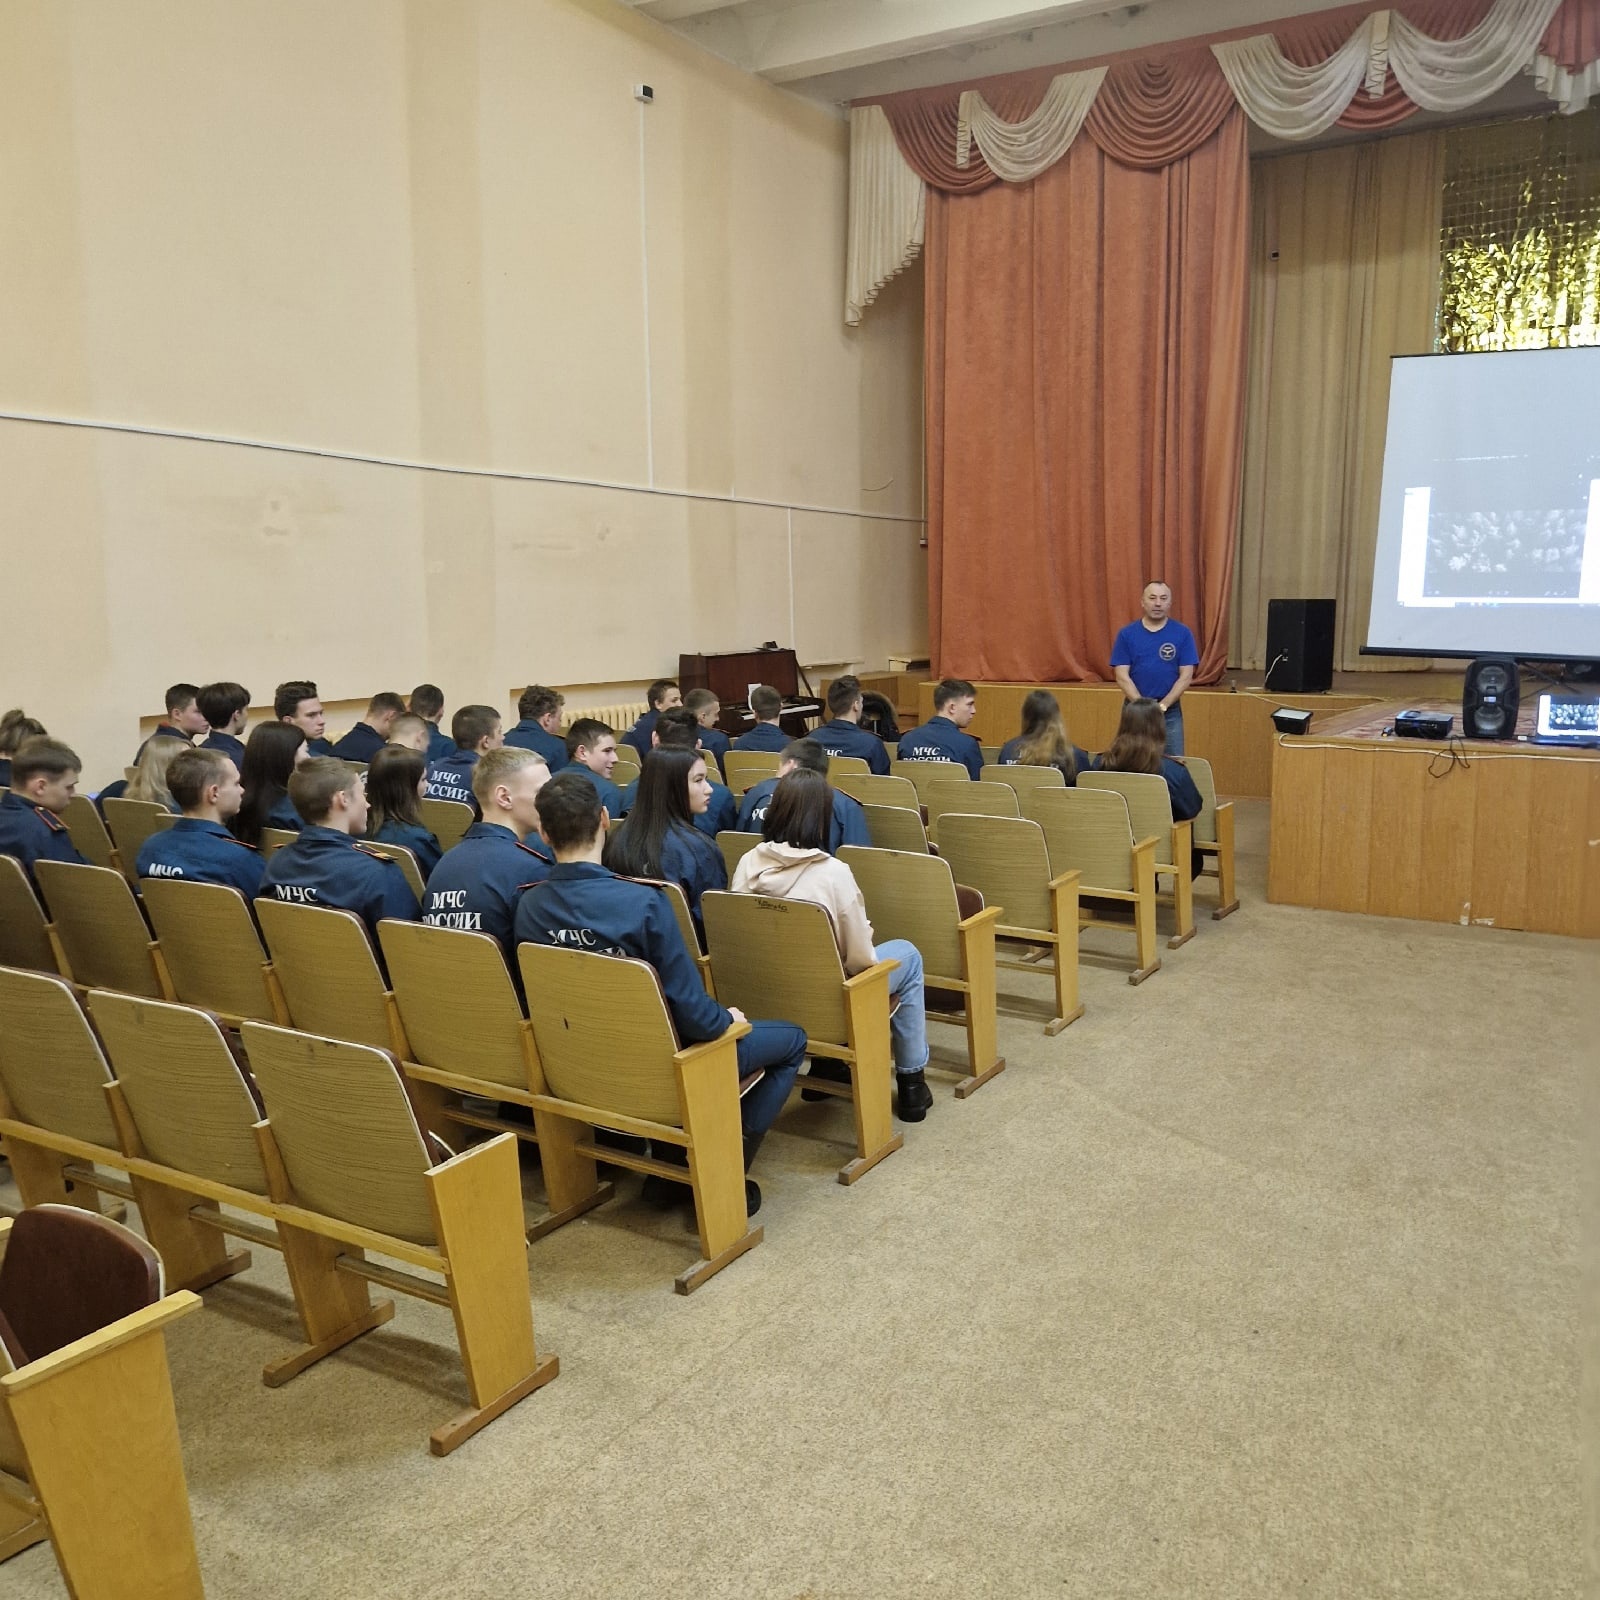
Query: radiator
x=620, y=717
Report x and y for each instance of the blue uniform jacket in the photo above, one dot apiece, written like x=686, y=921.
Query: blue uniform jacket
x=232, y=748
x=418, y=841
x=30, y=833
x=714, y=744
x=843, y=738
x=440, y=745
x=1008, y=757
x=324, y=867
x=477, y=883
x=362, y=743
x=694, y=863
x=528, y=735
x=163, y=730
x=1186, y=801
x=639, y=734
x=319, y=747
x=284, y=815
x=582, y=906
x=611, y=797
x=939, y=739
x=764, y=736
x=451, y=779
x=202, y=852
x=849, y=824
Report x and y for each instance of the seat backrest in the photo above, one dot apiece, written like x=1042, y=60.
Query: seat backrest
x=130, y=823
x=923, y=773
x=274, y=839
x=735, y=847
x=1087, y=831
x=67, y=1273
x=50, y=1061
x=211, y=947
x=87, y=830
x=1149, y=804
x=875, y=790
x=680, y=910
x=24, y=941
x=189, y=1100
x=628, y=760
x=604, y=1035
x=975, y=799
x=847, y=767
x=101, y=928
x=345, y=1129
x=447, y=821
x=1005, y=860
x=777, y=958
x=990, y=753
x=1024, y=778
x=327, y=971
x=910, y=896
x=742, y=768
x=895, y=828
x=408, y=862
x=1205, y=825
x=457, y=1004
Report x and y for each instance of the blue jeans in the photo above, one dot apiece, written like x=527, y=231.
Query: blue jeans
x=908, y=1027
x=1175, y=729
x=780, y=1047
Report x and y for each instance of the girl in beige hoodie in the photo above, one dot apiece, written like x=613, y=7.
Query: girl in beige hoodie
x=792, y=862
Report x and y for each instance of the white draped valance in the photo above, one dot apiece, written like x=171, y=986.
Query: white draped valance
x=888, y=197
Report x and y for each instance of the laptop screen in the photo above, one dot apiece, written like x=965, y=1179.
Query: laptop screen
x=1568, y=716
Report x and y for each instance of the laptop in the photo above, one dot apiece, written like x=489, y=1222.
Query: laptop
x=1568, y=719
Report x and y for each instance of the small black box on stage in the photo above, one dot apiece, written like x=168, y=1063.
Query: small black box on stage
x=1286, y=720
x=1423, y=724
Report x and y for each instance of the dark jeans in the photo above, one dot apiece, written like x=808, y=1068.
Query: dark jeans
x=780, y=1047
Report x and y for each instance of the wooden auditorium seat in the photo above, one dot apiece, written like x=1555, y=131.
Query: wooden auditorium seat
x=130, y=823
x=447, y=821
x=1150, y=813
x=1087, y=831
x=274, y=839
x=103, y=933
x=969, y=798
x=611, y=1059
x=1213, y=837
x=778, y=958
x=1023, y=779
x=923, y=773
x=848, y=767
x=876, y=790
x=916, y=897
x=408, y=863
x=87, y=830
x=1006, y=861
x=84, y=1309
x=741, y=769
x=213, y=952
x=25, y=932
x=735, y=847
x=896, y=828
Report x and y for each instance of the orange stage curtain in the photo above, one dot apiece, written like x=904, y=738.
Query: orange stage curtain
x=1573, y=38
x=1086, y=357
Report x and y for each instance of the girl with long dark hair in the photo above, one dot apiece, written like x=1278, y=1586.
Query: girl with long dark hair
x=659, y=839
x=274, y=750
x=394, y=792
x=1044, y=741
x=1141, y=746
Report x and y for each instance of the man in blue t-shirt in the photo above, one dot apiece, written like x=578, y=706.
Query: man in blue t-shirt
x=1154, y=659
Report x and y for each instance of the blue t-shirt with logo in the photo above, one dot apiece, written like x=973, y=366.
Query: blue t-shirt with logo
x=1153, y=659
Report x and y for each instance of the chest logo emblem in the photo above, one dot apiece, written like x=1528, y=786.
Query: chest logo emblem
x=1169, y=652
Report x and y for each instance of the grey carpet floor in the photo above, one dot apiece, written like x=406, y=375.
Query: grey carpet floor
x=1264, y=1279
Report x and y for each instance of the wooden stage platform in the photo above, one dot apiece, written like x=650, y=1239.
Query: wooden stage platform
x=1500, y=833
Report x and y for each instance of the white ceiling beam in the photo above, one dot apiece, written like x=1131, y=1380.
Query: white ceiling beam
x=678, y=10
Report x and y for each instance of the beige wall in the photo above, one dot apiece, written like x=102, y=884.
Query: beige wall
x=412, y=229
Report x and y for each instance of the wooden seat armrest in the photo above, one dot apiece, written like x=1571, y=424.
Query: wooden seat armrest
x=147, y=1319
x=5, y=1234
x=713, y=1047
x=1182, y=840
x=1067, y=879
x=978, y=918
x=871, y=975
x=470, y=1153
x=1221, y=806
x=1146, y=847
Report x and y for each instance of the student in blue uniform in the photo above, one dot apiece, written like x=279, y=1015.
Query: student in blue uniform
x=539, y=729
x=226, y=708
x=659, y=838
x=705, y=708
x=592, y=750
x=661, y=696
x=183, y=719
x=1140, y=746
x=394, y=798
x=411, y=731
x=427, y=702
x=328, y=865
x=849, y=825
x=44, y=778
x=274, y=751
x=371, y=734
x=298, y=702
x=582, y=905
x=842, y=735
x=766, y=704
x=474, y=730
x=476, y=886
x=943, y=737
x=16, y=726
x=198, y=846
x=1154, y=658
x=677, y=729
x=1044, y=741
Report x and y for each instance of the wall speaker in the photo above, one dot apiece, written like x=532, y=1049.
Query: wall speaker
x=1299, y=646
x=1489, y=698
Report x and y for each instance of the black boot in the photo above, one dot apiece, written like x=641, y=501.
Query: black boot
x=752, y=1190
x=659, y=1191
x=914, y=1096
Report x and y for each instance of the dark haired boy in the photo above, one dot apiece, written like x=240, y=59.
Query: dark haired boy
x=44, y=778
x=539, y=729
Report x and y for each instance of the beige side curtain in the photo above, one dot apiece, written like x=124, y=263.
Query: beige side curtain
x=1344, y=275
x=888, y=205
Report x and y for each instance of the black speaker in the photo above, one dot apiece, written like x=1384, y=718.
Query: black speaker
x=1489, y=698
x=1299, y=646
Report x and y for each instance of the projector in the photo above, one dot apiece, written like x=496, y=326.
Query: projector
x=1423, y=724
